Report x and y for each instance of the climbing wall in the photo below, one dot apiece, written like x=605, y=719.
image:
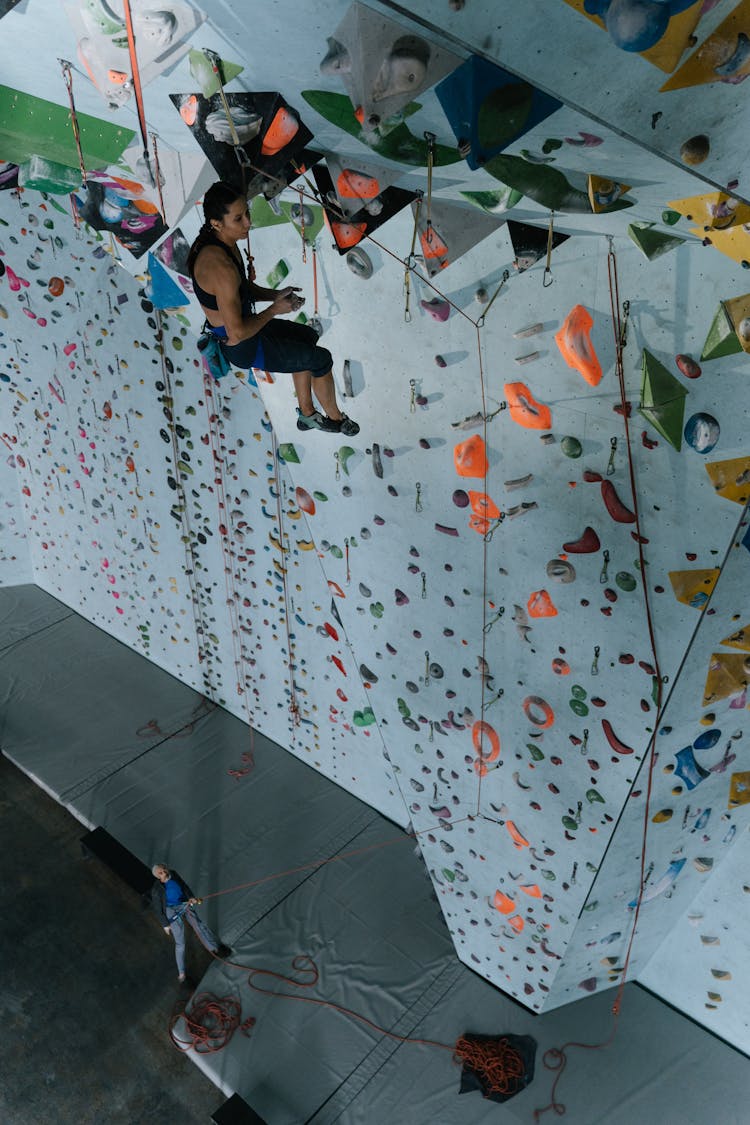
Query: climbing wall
x=483, y=613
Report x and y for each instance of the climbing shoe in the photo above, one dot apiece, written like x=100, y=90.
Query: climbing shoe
x=347, y=426
x=317, y=421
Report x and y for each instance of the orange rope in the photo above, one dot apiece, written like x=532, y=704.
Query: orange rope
x=210, y=1024
x=499, y=1065
x=136, y=76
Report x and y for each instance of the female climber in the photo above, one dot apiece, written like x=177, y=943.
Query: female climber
x=249, y=339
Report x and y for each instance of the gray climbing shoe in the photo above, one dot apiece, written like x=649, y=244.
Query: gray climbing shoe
x=317, y=421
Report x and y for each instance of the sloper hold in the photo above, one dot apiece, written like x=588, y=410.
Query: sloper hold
x=652, y=242
x=490, y=108
x=470, y=457
x=722, y=340
x=662, y=400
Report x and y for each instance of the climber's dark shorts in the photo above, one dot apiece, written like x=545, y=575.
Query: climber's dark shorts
x=282, y=345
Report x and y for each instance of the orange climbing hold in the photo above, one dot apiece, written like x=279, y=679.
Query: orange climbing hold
x=519, y=840
x=502, y=903
x=525, y=409
x=517, y=923
x=434, y=247
x=540, y=604
x=280, y=132
x=481, y=731
x=479, y=524
x=189, y=109
x=574, y=341
x=470, y=457
x=531, y=889
x=348, y=234
x=356, y=185
x=484, y=505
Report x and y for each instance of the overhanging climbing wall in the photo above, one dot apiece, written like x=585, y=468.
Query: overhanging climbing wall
x=447, y=614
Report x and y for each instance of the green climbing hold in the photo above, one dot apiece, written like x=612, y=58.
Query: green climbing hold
x=336, y=551
x=570, y=823
x=571, y=447
x=670, y=218
x=592, y=796
x=345, y=453
x=377, y=609
x=403, y=708
x=288, y=453
x=364, y=718
x=578, y=707
x=625, y=581
x=651, y=242
x=722, y=340
x=578, y=692
x=535, y=752
x=321, y=496
x=449, y=875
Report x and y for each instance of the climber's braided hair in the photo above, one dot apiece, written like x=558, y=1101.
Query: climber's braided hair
x=216, y=202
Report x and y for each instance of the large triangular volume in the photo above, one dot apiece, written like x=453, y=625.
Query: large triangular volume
x=271, y=135
x=382, y=64
x=161, y=290
x=450, y=231
x=652, y=242
x=358, y=184
x=662, y=400
x=488, y=108
x=722, y=339
x=530, y=243
x=350, y=228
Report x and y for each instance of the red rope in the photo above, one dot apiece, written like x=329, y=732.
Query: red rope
x=210, y=1023
x=556, y=1058
x=499, y=1066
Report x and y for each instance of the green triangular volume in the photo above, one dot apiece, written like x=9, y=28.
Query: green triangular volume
x=722, y=339
x=651, y=242
x=203, y=72
x=662, y=400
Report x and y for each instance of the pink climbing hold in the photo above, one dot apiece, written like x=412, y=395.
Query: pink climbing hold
x=439, y=310
x=470, y=457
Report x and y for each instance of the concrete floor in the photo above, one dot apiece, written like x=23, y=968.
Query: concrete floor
x=87, y=983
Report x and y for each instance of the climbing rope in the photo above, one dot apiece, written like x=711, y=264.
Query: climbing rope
x=137, y=89
x=157, y=177
x=556, y=1057
x=68, y=79
x=209, y=1025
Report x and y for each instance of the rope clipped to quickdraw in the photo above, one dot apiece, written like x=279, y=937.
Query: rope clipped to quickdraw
x=157, y=176
x=137, y=89
x=68, y=79
x=409, y=263
x=547, y=277
x=74, y=213
x=490, y=303
x=315, y=281
x=430, y=139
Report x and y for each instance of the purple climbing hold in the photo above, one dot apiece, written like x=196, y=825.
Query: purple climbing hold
x=438, y=309
x=401, y=598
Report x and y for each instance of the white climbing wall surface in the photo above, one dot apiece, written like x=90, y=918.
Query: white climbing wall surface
x=512, y=611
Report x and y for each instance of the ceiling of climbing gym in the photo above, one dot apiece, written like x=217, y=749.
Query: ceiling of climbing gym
x=512, y=611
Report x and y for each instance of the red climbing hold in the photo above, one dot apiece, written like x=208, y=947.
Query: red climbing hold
x=586, y=545
x=614, y=505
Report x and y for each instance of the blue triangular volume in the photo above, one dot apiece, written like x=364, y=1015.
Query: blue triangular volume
x=488, y=108
x=163, y=292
